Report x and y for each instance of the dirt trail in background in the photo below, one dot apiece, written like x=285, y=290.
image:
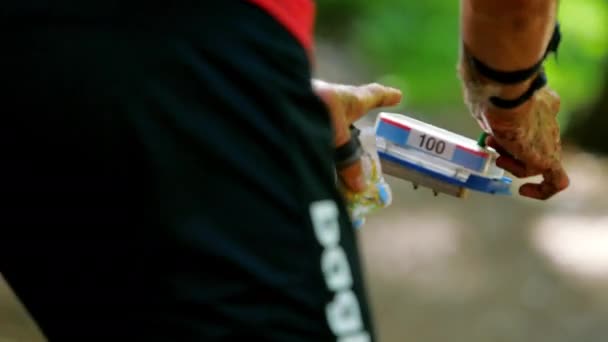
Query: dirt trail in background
x=493, y=269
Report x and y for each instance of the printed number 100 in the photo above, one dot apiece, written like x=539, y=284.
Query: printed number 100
x=431, y=144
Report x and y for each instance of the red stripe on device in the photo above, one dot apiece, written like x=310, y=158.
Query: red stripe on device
x=477, y=153
x=396, y=124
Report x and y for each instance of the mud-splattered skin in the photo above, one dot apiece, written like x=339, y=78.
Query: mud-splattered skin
x=346, y=104
x=527, y=137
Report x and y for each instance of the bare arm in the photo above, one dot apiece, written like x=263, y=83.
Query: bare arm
x=508, y=36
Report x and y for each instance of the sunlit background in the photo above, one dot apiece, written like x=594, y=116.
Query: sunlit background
x=485, y=268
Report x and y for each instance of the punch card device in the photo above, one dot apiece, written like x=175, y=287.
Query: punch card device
x=435, y=158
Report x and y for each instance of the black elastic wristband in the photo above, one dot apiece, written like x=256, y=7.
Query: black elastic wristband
x=350, y=152
x=504, y=77
x=518, y=76
x=539, y=82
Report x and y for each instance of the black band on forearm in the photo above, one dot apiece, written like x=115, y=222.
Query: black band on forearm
x=539, y=82
x=350, y=152
x=504, y=77
x=518, y=76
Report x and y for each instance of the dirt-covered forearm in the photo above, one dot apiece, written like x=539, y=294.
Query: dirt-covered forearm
x=504, y=45
x=508, y=35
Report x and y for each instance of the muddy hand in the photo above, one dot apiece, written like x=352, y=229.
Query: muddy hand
x=528, y=140
x=346, y=105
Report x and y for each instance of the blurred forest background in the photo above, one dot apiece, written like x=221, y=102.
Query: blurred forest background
x=485, y=268
x=413, y=45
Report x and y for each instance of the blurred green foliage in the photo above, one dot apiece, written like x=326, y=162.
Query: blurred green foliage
x=414, y=45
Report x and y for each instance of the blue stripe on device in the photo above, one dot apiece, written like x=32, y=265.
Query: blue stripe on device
x=393, y=133
x=468, y=160
x=500, y=186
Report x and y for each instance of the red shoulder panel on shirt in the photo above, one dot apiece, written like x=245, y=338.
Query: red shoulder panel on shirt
x=298, y=17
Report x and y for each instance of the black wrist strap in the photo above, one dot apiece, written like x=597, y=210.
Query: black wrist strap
x=350, y=152
x=518, y=76
x=539, y=82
